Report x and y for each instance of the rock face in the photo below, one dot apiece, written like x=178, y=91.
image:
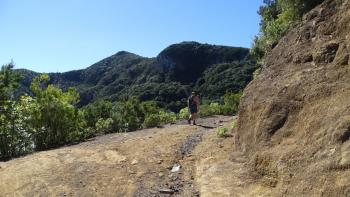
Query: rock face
x=294, y=118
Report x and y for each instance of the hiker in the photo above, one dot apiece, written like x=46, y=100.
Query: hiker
x=193, y=107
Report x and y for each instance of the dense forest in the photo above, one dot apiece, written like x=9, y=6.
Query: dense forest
x=166, y=79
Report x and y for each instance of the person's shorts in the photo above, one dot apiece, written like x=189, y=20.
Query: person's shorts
x=193, y=110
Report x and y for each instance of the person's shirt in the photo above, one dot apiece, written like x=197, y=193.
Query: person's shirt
x=196, y=100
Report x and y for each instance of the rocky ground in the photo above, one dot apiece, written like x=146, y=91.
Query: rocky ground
x=294, y=118
x=140, y=163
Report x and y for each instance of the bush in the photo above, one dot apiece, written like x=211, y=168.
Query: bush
x=234, y=123
x=153, y=120
x=222, y=132
x=159, y=119
x=211, y=109
x=167, y=117
x=52, y=118
x=277, y=17
x=104, y=125
x=14, y=139
x=97, y=110
x=184, y=113
x=230, y=107
x=231, y=103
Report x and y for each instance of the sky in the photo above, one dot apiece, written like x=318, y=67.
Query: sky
x=63, y=35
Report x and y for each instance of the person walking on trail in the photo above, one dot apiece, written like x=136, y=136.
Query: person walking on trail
x=193, y=107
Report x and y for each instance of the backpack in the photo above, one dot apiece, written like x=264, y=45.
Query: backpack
x=191, y=102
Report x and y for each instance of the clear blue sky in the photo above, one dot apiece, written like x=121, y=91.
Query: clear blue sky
x=62, y=35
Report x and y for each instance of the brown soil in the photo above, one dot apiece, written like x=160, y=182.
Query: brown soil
x=132, y=164
x=294, y=118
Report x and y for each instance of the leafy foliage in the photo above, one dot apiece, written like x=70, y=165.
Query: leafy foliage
x=98, y=111
x=167, y=79
x=222, y=132
x=53, y=119
x=14, y=140
x=234, y=123
x=222, y=78
x=229, y=107
x=277, y=17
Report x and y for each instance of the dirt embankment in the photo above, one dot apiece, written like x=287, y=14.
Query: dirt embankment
x=132, y=164
x=294, y=119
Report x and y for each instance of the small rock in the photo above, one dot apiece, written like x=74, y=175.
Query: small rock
x=221, y=146
x=134, y=162
x=166, y=191
x=132, y=172
x=161, y=174
x=160, y=161
x=176, y=168
x=174, y=178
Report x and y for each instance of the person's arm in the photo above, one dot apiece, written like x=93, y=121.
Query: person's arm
x=198, y=103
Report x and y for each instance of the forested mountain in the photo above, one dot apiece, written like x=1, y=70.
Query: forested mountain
x=168, y=78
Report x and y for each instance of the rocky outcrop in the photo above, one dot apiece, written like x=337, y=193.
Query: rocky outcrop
x=294, y=118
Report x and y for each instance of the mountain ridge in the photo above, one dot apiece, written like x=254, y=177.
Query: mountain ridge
x=167, y=78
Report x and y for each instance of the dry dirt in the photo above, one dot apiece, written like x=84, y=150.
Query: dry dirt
x=134, y=164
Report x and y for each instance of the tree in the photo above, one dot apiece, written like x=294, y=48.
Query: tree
x=14, y=140
x=9, y=82
x=277, y=17
x=54, y=120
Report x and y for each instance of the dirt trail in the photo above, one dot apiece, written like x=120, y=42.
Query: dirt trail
x=132, y=164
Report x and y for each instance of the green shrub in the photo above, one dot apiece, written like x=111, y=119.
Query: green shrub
x=104, y=125
x=184, y=113
x=231, y=103
x=277, y=17
x=222, y=132
x=159, y=119
x=152, y=120
x=167, y=117
x=257, y=72
x=97, y=110
x=234, y=123
x=230, y=107
x=205, y=110
x=53, y=119
x=14, y=139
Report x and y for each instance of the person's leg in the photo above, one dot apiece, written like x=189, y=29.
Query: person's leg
x=194, y=117
x=189, y=119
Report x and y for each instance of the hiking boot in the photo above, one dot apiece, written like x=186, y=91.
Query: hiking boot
x=194, y=123
x=189, y=121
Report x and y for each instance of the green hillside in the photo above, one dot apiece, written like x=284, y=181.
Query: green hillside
x=167, y=78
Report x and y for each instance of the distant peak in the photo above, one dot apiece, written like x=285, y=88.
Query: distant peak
x=124, y=53
x=189, y=42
